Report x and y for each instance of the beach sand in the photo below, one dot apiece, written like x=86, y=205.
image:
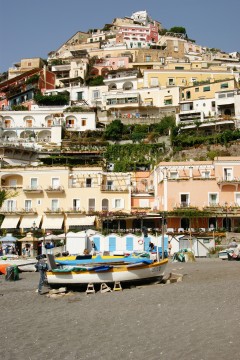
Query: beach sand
x=197, y=318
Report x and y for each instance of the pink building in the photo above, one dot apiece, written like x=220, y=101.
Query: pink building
x=103, y=65
x=138, y=33
x=210, y=187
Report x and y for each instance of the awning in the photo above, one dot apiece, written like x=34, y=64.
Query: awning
x=169, y=97
x=10, y=222
x=78, y=220
x=27, y=221
x=52, y=222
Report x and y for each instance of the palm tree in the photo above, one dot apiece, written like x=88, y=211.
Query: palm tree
x=6, y=194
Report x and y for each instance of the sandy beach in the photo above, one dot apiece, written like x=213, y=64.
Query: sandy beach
x=197, y=318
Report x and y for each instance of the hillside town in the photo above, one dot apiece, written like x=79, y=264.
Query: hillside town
x=59, y=170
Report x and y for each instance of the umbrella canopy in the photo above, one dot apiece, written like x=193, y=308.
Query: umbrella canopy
x=50, y=237
x=8, y=238
x=29, y=237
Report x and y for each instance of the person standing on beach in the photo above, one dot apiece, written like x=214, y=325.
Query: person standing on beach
x=41, y=267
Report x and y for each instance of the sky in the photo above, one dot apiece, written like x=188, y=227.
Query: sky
x=32, y=28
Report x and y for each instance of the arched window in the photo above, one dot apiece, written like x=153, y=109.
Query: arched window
x=112, y=86
x=128, y=85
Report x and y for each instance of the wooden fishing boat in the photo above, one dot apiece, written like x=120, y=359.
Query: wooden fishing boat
x=105, y=273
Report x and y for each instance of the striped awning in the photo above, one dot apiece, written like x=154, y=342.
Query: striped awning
x=52, y=222
x=10, y=222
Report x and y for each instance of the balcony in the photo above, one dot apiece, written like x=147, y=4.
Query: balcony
x=108, y=188
x=74, y=210
x=15, y=211
x=179, y=178
x=55, y=189
x=11, y=187
x=33, y=189
x=25, y=211
x=226, y=182
x=54, y=211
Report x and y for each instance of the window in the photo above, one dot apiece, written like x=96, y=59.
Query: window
x=105, y=205
x=224, y=85
x=227, y=174
x=70, y=123
x=75, y=73
x=179, y=67
x=89, y=182
x=29, y=64
x=54, y=205
x=148, y=58
x=206, y=174
x=84, y=122
x=13, y=182
x=109, y=185
x=184, y=200
x=213, y=199
x=206, y=88
x=7, y=123
x=76, y=204
x=237, y=199
x=173, y=175
x=28, y=205
x=34, y=183
x=11, y=205
x=80, y=95
x=168, y=102
x=55, y=183
x=197, y=89
x=221, y=96
x=29, y=123
x=91, y=204
x=154, y=81
x=95, y=94
x=171, y=81
x=118, y=203
x=188, y=94
x=39, y=202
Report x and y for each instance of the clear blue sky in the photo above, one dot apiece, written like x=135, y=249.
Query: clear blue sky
x=32, y=28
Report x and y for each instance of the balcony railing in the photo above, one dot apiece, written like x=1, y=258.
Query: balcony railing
x=33, y=189
x=74, y=210
x=54, y=210
x=12, y=210
x=55, y=189
x=114, y=188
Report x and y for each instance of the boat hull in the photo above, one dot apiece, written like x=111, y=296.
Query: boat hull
x=122, y=273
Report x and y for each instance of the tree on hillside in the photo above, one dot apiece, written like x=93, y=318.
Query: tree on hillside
x=178, y=30
x=114, y=130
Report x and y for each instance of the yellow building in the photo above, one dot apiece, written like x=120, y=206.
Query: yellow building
x=181, y=77
x=60, y=197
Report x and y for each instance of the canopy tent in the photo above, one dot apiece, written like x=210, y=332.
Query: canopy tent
x=50, y=237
